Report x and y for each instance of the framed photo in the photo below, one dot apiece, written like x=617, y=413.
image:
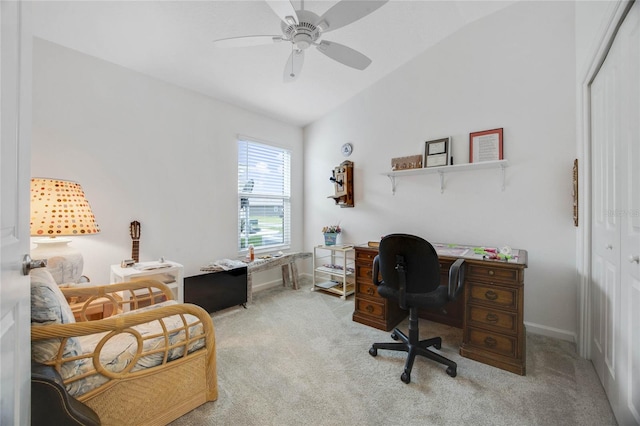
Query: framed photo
x=437, y=152
x=485, y=146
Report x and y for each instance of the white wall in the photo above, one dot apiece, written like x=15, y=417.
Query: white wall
x=514, y=69
x=149, y=151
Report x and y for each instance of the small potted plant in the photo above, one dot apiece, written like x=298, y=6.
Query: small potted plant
x=331, y=234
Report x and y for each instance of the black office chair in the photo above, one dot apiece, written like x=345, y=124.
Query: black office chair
x=411, y=275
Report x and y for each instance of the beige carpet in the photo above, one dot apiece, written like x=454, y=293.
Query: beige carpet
x=297, y=358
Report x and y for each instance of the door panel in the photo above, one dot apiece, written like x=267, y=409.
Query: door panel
x=15, y=127
x=615, y=168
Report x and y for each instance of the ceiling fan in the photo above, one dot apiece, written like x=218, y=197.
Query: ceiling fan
x=303, y=29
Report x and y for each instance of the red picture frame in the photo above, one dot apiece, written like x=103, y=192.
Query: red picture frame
x=486, y=145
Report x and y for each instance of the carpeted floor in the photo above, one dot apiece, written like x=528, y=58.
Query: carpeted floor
x=297, y=358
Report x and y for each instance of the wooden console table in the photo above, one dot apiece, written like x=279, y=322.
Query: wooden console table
x=287, y=262
x=491, y=312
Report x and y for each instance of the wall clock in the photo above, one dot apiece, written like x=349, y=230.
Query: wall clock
x=347, y=149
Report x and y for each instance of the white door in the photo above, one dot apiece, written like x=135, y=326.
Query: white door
x=15, y=128
x=615, y=167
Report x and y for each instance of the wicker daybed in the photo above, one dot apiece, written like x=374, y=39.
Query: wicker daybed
x=137, y=366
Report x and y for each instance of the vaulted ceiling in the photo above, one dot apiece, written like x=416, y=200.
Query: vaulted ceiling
x=173, y=41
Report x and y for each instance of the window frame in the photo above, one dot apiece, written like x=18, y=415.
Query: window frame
x=285, y=197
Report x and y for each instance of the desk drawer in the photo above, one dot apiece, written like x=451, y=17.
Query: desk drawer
x=490, y=318
x=493, y=342
x=366, y=256
x=364, y=288
x=493, y=296
x=364, y=272
x=493, y=273
x=371, y=308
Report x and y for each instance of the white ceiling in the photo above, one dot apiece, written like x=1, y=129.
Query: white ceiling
x=173, y=41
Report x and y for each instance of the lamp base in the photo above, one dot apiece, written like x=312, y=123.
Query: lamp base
x=63, y=262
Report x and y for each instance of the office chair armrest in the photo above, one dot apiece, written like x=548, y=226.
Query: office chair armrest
x=376, y=270
x=456, y=279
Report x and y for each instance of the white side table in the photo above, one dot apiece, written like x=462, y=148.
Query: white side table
x=168, y=272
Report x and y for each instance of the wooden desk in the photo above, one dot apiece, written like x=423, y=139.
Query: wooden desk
x=491, y=312
x=287, y=263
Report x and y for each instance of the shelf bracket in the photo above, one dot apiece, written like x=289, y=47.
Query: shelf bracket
x=393, y=184
x=441, y=173
x=502, y=167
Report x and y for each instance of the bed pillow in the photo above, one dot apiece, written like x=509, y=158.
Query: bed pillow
x=49, y=306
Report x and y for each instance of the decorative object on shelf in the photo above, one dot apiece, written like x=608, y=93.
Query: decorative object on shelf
x=331, y=234
x=59, y=208
x=485, y=146
x=575, y=192
x=342, y=178
x=405, y=163
x=347, y=149
x=134, y=231
x=437, y=152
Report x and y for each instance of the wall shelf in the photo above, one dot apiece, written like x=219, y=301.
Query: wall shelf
x=442, y=170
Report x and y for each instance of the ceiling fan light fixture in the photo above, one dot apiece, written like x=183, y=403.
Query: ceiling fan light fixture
x=302, y=41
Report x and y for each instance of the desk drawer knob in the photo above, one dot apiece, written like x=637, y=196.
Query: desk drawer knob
x=490, y=342
x=370, y=291
x=492, y=318
x=369, y=308
x=491, y=272
x=491, y=295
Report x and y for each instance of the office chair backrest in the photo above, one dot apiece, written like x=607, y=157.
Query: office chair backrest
x=421, y=263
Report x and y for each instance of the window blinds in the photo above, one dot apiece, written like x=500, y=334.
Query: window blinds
x=264, y=192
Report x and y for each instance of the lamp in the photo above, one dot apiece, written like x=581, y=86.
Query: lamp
x=58, y=209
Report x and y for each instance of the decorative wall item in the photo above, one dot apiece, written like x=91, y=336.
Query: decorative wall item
x=342, y=178
x=437, y=152
x=405, y=163
x=485, y=146
x=575, y=192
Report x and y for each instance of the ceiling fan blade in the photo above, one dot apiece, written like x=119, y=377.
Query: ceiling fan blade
x=343, y=54
x=284, y=9
x=294, y=66
x=247, y=41
x=347, y=11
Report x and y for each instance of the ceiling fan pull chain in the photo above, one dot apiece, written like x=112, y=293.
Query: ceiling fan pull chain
x=292, y=59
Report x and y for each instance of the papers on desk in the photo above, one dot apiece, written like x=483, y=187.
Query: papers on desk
x=149, y=266
x=443, y=250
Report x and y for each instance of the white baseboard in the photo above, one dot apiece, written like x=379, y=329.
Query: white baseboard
x=551, y=332
x=267, y=285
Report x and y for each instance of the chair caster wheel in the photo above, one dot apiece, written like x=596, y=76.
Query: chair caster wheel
x=452, y=371
x=394, y=336
x=405, y=377
x=373, y=351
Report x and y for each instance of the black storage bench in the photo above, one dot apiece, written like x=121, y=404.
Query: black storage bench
x=215, y=291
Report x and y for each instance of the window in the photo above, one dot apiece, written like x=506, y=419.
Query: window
x=264, y=195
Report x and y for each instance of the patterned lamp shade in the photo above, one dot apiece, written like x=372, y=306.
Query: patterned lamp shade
x=59, y=208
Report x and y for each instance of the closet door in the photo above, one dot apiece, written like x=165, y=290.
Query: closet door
x=615, y=152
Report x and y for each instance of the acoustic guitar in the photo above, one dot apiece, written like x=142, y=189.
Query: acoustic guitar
x=134, y=231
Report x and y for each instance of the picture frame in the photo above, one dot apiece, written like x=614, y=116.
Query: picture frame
x=437, y=152
x=486, y=145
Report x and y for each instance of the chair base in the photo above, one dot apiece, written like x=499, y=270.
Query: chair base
x=414, y=347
